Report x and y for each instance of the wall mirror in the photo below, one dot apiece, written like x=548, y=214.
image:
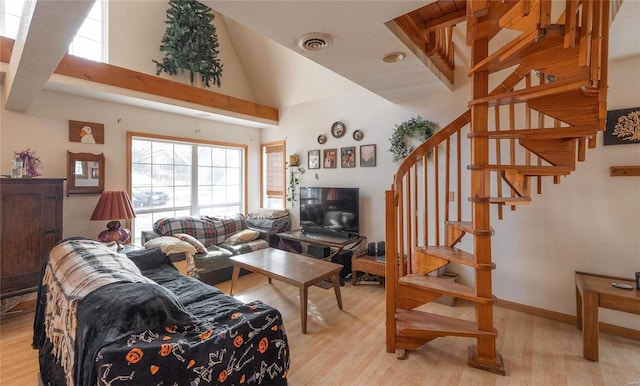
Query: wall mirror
x=85, y=173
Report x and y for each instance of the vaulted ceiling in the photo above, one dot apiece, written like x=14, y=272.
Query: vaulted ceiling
x=265, y=35
x=362, y=35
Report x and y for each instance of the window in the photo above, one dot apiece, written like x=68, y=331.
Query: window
x=175, y=177
x=90, y=41
x=273, y=186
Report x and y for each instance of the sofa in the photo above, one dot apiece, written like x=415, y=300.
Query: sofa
x=208, y=242
x=107, y=318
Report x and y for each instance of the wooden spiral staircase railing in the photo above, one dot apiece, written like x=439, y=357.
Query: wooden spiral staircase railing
x=535, y=125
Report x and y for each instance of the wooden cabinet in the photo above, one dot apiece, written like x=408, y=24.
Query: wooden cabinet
x=30, y=225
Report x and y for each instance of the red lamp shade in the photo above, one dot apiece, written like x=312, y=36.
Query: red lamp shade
x=114, y=206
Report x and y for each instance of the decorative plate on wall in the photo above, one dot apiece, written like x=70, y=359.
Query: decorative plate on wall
x=322, y=139
x=338, y=129
x=358, y=135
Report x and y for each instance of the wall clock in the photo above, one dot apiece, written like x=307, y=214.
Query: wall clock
x=338, y=129
x=358, y=135
x=322, y=139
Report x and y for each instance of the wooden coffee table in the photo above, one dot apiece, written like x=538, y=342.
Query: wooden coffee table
x=291, y=268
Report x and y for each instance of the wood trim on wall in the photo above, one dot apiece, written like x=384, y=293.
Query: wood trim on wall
x=566, y=318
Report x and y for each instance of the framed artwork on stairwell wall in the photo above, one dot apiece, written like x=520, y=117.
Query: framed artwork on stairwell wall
x=623, y=127
x=330, y=158
x=348, y=157
x=313, y=156
x=367, y=156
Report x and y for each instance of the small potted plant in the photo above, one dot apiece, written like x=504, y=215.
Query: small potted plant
x=31, y=163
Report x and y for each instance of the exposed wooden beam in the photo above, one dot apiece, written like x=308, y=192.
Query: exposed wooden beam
x=110, y=75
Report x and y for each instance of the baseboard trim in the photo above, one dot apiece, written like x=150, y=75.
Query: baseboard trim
x=566, y=318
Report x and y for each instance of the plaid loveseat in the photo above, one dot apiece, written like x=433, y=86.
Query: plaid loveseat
x=216, y=235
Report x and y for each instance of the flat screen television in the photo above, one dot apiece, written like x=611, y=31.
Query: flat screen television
x=330, y=211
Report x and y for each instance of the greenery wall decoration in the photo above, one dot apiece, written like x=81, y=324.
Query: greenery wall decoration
x=190, y=42
x=418, y=128
x=294, y=181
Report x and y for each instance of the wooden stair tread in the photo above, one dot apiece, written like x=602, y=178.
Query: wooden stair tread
x=443, y=286
x=510, y=200
x=528, y=170
x=467, y=227
x=540, y=49
x=515, y=45
x=419, y=324
x=523, y=95
x=518, y=200
x=570, y=132
x=454, y=255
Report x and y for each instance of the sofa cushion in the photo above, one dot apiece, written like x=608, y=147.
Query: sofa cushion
x=215, y=258
x=242, y=237
x=266, y=213
x=247, y=247
x=148, y=258
x=200, y=248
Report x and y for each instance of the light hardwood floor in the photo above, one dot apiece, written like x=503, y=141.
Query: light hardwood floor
x=347, y=347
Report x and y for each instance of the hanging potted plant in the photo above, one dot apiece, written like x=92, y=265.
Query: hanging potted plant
x=417, y=128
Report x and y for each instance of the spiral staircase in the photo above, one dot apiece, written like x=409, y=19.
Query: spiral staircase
x=533, y=127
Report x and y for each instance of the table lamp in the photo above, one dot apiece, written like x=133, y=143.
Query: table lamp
x=114, y=206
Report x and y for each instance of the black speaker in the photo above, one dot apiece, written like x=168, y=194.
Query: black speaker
x=318, y=251
x=371, y=249
x=344, y=258
x=380, y=248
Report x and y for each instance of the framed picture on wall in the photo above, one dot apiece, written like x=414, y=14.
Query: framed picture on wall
x=86, y=132
x=367, y=156
x=348, y=157
x=313, y=157
x=623, y=127
x=330, y=158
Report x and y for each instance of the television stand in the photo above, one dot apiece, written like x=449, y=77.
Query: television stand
x=336, y=244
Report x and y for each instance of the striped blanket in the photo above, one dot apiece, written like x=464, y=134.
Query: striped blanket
x=74, y=269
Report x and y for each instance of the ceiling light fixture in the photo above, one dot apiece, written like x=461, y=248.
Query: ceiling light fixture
x=394, y=57
x=314, y=41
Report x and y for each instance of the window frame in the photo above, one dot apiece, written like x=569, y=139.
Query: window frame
x=263, y=171
x=104, y=28
x=189, y=141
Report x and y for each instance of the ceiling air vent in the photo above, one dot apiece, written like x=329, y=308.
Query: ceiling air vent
x=314, y=42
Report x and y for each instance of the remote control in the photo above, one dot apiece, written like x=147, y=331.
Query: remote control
x=622, y=285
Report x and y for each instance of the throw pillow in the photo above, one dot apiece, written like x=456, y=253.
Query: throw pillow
x=170, y=245
x=200, y=248
x=148, y=258
x=241, y=237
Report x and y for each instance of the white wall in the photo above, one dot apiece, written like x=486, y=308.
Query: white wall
x=44, y=129
x=133, y=45
x=589, y=222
